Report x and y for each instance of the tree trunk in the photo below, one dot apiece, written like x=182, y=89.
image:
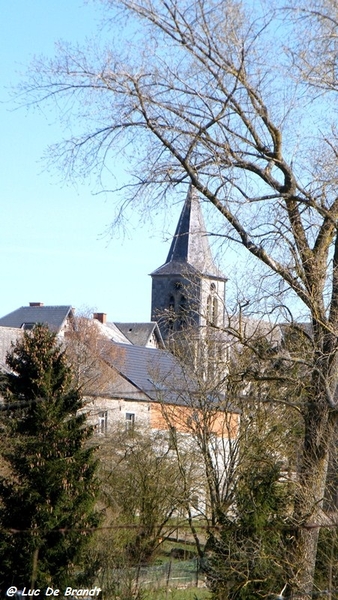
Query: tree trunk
x=312, y=474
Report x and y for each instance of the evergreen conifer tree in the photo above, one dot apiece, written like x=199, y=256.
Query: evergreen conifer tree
x=47, y=503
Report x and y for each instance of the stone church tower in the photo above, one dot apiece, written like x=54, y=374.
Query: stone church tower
x=188, y=291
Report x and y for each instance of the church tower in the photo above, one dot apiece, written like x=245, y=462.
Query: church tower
x=188, y=291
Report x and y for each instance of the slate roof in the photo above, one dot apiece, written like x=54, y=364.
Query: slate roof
x=139, y=334
x=159, y=375
x=190, y=249
x=155, y=372
x=52, y=316
x=113, y=332
x=7, y=336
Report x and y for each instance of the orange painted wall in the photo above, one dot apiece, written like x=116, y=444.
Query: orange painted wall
x=185, y=419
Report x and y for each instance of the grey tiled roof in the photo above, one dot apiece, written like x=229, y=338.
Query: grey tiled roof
x=52, y=316
x=156, y=372
x=160, y=376
x=139, y=334
x=113, y=332
x=7, y=336
x=190, y=245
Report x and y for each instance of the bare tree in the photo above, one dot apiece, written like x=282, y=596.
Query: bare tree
x=141, y=490
x=91, y=354
x=316, y=61
x=219, y=97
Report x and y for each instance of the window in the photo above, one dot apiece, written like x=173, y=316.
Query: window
x=130, y=421
x=182, y=312
x=209, y=309
x=103, y=422
x=172, y=303
x=214, y=311
x=171, y=319
x=28, y=326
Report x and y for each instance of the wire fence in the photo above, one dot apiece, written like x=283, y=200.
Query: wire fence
x=327, y=594
x=185, y=574
x=172, y=574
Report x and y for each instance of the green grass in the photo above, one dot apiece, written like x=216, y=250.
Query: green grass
x=164, y=552
x=175, y=594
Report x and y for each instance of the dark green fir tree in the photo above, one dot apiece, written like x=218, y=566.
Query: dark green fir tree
x=47, y=499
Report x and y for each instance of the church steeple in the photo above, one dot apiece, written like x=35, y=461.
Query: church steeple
x=188, y=289
x=190, y=245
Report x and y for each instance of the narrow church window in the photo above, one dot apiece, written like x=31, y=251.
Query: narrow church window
x=209, y=309
x=171, y=318
x=214, y=311
x=183, y=312
x=103, y=422
x=211, y=362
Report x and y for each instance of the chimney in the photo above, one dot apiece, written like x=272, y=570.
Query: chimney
x=102, y=317
x=36, y=304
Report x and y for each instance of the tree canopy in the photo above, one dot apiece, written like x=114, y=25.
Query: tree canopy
x=47, y=501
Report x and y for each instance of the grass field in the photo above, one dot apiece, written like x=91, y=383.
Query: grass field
x=177, y=594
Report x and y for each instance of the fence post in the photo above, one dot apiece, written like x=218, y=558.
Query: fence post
x=168, y=576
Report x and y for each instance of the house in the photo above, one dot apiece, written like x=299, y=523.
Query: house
x=57, y=318
x=153, y=389
x=134, y=379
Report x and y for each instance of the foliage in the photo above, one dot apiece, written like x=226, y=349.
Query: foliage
x=47, y=504
x=248, y=559
x=326, y=574
x=142, y=491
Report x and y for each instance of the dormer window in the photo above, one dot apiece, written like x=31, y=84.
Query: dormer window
x=28, y=326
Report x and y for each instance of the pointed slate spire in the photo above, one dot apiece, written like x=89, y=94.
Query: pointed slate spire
x=190, y=246
x=188, y=286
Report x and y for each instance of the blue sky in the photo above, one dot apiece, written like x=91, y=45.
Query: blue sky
x=53, y=244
